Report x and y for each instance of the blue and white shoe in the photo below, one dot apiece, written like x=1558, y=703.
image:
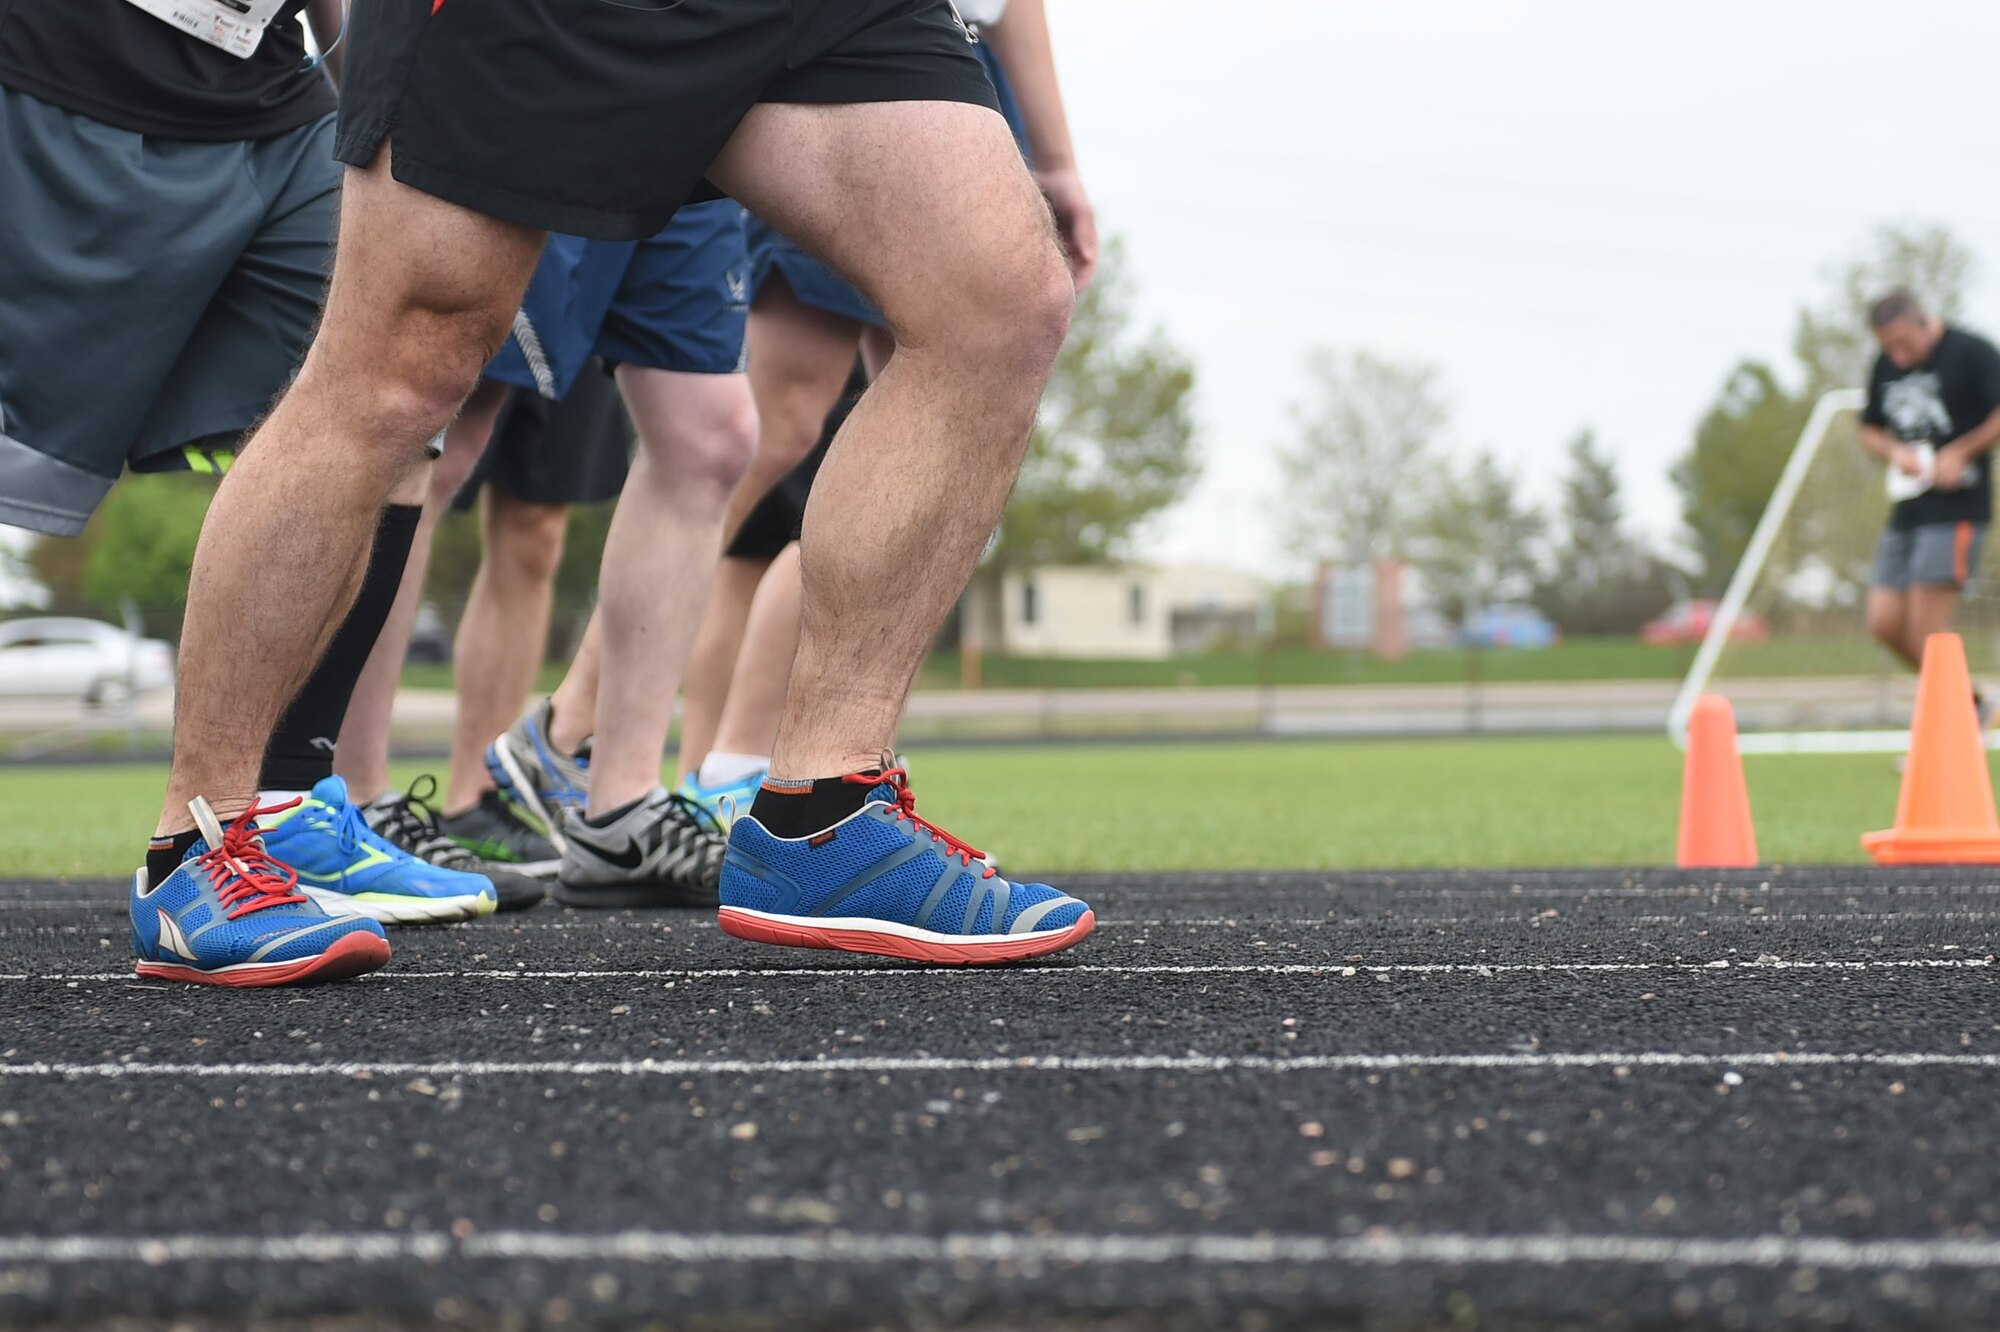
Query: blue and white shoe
x=541, y=782
x=887, y=881
x=724, y=802
x=346, y=866
x=230, y=915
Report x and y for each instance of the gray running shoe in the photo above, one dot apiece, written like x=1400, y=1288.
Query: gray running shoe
x=661, y=852
x=493, y=830
x=410, y=821
x=536, y=778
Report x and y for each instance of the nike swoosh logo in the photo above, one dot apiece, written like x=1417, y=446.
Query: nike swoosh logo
x=627, y=857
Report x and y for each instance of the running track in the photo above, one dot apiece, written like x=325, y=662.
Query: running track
x=1600, y=1099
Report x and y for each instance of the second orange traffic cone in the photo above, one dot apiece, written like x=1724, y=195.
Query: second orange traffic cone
x=1716, y=832
x=1945, y=814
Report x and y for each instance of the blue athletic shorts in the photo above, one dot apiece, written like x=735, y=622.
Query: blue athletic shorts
x=674, y=302
x=812, y=281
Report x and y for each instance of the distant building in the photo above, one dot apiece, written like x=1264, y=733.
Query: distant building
x=1113, y=611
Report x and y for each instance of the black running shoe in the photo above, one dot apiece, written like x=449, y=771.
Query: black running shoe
x=492, y=831
x=410, y=821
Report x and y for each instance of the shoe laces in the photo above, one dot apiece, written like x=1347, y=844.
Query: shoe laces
x=412, y=818
x=898, y=780
x=246, y=879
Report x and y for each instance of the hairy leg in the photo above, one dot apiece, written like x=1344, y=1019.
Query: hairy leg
x=503, y=633
x=421, y=294
x=712, y=663
x=800, y=358
x=696, y=435
x=764, y=665
x=575, y=698
x=928, y=208
x=362, y=756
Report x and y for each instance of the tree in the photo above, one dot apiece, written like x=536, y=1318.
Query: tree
x=1358, y=475
x=1603, y=580
x=1726, y=479
x=1114, y=443
x=138, y=547
x=1833, y=342
x=1480, y=542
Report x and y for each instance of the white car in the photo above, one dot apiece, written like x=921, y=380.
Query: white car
x=87, y=659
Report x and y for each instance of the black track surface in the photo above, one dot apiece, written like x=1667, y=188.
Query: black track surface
x=1111, y=1138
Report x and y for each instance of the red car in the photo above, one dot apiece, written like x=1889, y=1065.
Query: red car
x=1685, y=623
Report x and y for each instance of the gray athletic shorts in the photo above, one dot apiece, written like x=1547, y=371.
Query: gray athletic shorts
x=155, y=296
x=1932, y=555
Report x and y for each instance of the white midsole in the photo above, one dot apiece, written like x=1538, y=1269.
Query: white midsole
x=870, y=925
x=411, y=911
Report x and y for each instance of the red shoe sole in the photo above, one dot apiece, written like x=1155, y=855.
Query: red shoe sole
x=350, y=955
x=1004, y=948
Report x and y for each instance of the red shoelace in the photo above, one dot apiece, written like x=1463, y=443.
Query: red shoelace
x=247, y=880
x=898, y=779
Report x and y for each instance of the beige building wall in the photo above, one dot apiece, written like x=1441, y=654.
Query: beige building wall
x=1112, y=611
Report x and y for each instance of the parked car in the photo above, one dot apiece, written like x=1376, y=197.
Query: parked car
x=87, y=659
x=1509, y=626
x=1686, y=623
x=1425, y=627
x=430, y=636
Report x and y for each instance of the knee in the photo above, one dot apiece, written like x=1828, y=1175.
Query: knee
x=524, y=540
x=706, y=452
x=1886, y=624
x=1009, y=318
x=411, y=388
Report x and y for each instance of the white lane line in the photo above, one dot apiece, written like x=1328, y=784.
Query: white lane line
x=1191, y=1063
x=1826, y=1253
x=1056, y=972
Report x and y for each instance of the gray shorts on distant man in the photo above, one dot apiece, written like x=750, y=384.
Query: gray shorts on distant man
x=1930, y=555
x=155, y=296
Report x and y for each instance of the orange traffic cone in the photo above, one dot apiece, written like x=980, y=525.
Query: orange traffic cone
x=1716, y=832
x=1945, y=815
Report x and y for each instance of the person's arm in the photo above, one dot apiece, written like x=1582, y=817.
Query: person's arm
x=1876, y=440
x=1955, y=457
x=1021, y=42
x=327, y=17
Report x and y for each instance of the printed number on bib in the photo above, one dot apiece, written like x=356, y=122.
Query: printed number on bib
x=235, y=26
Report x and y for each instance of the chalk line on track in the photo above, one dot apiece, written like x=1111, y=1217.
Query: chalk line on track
x=1381, y=1250
x=1188, y=1063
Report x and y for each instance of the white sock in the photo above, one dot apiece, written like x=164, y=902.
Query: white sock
x=722, y=768
x=265, y=799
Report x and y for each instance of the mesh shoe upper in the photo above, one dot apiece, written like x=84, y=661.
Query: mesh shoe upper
x=661, y=837
x=328, y=842
x=205, y=915
x=886, y=863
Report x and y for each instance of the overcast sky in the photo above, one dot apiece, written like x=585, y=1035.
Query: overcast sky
x=1582, y=212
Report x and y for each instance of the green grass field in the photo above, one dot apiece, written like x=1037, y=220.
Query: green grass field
x=1574, y=659
x=1416, y=803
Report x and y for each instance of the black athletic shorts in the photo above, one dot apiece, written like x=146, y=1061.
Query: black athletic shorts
x=574, y=450
x=778, y=518
x=600, y=117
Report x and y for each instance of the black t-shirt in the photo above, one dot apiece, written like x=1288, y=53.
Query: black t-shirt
x=114, y=62
x=1956, y=389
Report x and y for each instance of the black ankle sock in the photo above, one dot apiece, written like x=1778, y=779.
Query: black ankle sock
x=164, y=855
x=301, y=749
x=611, y=816
x=801, y=809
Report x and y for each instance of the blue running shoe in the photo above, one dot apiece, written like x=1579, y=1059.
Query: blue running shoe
x=230, y=915
x=724, y=802
x=345, y=865
x=886, y=880
x=538, y=780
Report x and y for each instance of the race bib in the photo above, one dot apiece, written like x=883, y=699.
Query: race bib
x=235, y=26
